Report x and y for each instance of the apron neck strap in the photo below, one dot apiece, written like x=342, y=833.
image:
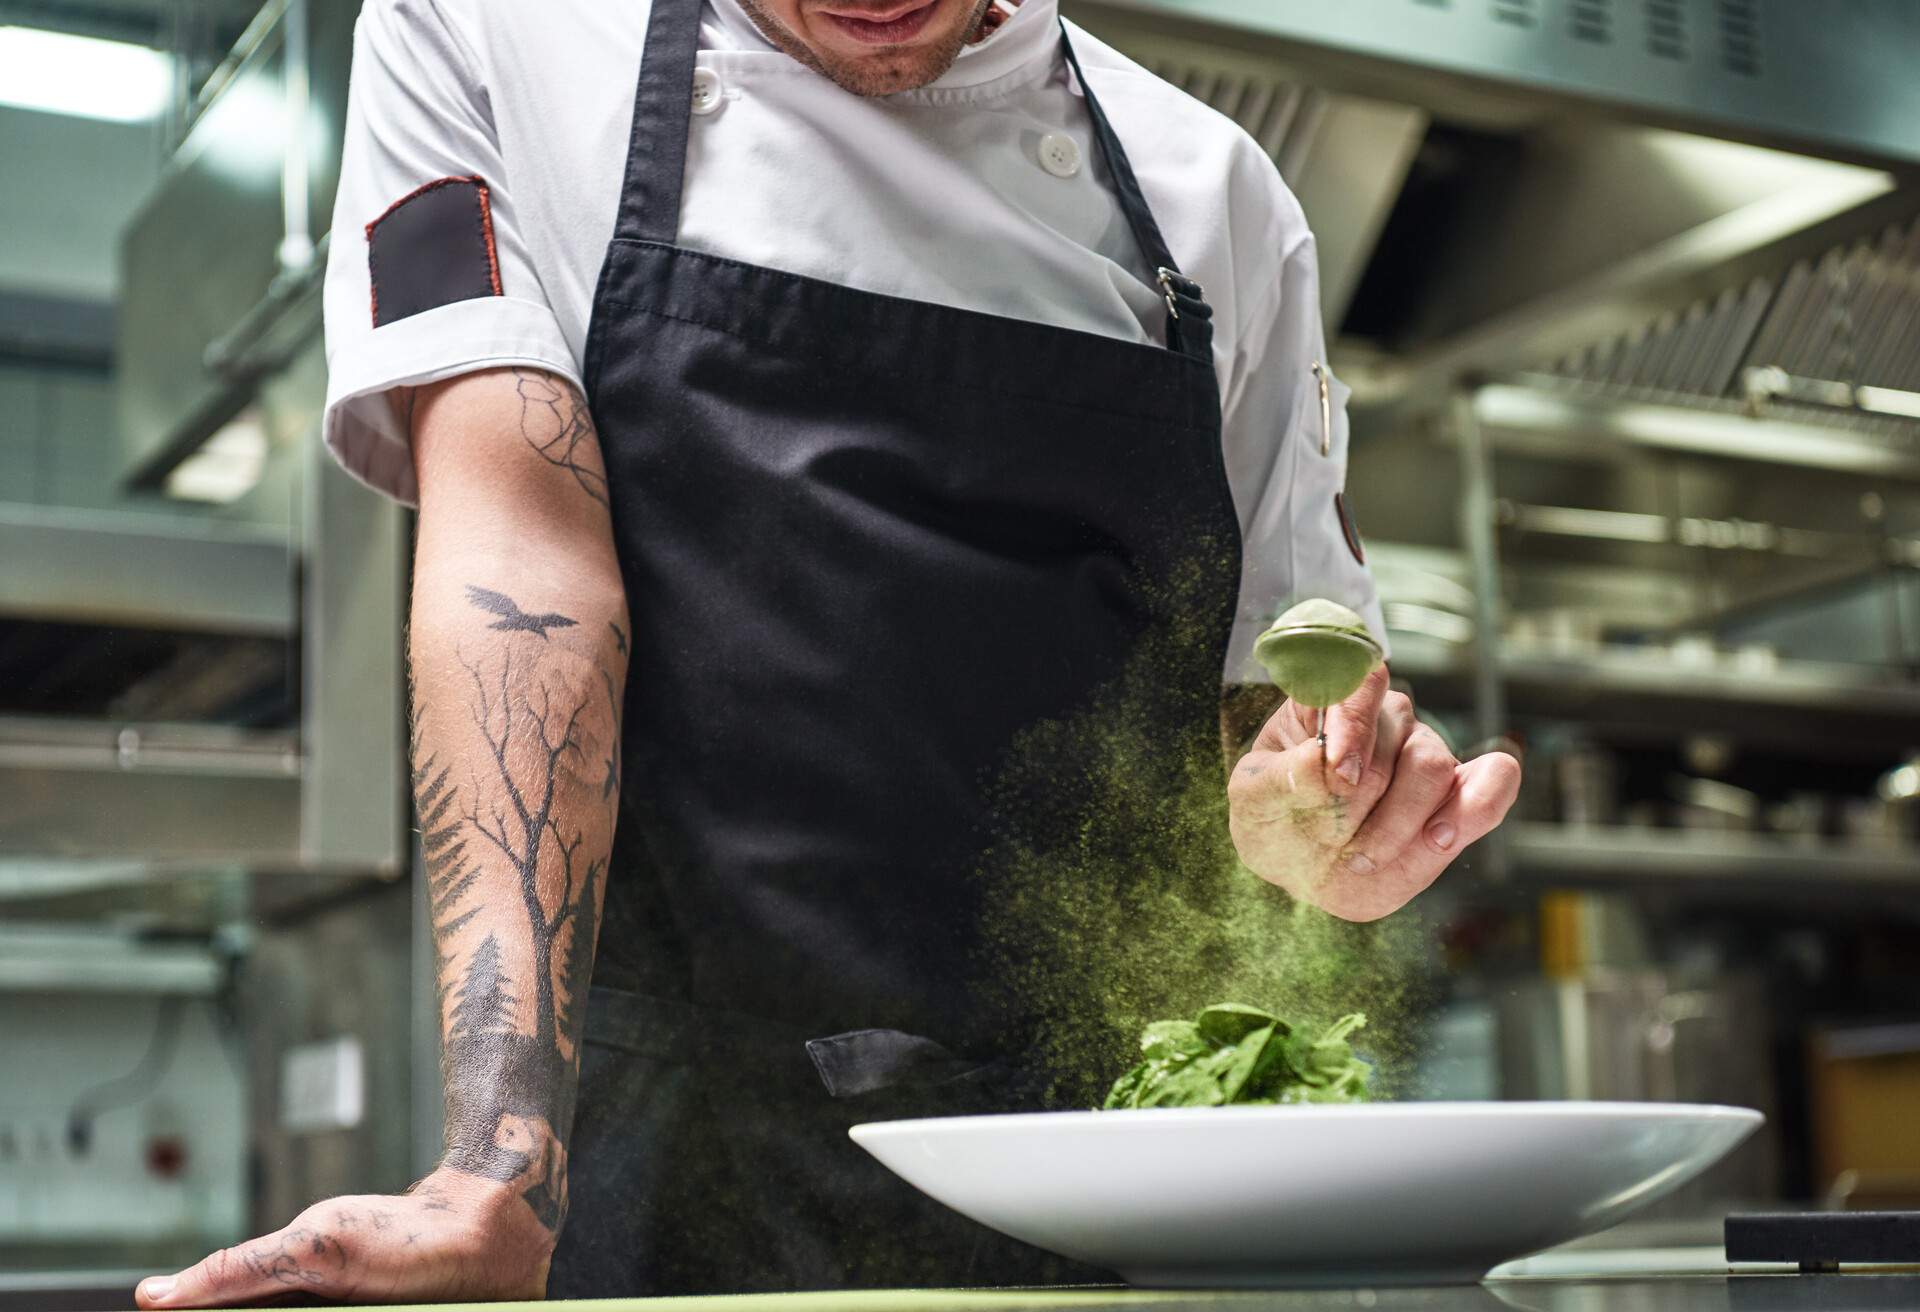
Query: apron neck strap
x=657, y=165
x=662, y=109
x=1189, y=317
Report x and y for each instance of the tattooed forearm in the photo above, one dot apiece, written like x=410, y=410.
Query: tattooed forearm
x=516, y=753
x=555, y=422
x=512, y=618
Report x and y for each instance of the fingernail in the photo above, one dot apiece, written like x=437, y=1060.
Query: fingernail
x=157, y=1290
x=1350, y=768
x=1441, y=835
x=1359, y=863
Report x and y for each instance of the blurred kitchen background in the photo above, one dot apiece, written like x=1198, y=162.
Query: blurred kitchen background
x=1628, y=295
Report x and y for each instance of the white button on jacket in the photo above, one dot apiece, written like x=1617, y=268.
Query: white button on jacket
x=1060, y=155
x=932, y=194
x=707, y=90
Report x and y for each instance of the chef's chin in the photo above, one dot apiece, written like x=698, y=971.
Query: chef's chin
x=805, y=31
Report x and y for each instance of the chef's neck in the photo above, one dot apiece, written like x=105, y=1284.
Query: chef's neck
x=875, y=47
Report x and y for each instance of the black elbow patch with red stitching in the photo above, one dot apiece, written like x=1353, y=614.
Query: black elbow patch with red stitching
x=432, y=247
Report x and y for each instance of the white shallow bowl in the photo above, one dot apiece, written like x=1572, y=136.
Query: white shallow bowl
x=1389, y=1193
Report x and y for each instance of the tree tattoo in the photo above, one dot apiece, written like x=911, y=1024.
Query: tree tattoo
x=556, y=423
x=520, y=831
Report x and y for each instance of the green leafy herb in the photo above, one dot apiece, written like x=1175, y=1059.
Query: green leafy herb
x=1237, y=1054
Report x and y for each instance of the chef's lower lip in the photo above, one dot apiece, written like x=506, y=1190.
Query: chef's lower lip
x=902, y=27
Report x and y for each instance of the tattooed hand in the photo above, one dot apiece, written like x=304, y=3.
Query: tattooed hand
x=451, y=1238
x=1361, y=827
x=518, y=649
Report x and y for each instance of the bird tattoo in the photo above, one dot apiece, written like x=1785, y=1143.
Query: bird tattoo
x=619, y=638
x=512, y=618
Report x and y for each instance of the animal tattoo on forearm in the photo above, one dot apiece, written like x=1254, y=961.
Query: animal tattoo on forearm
x=525, y=821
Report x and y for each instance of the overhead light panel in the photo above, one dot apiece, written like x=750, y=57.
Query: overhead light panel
x=84, y=76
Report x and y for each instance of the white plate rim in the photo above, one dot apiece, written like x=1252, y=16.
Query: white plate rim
x=1544, y=1109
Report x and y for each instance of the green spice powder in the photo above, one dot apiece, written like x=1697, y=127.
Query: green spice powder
x=1114, y=898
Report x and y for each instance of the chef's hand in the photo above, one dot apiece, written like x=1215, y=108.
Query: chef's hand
x=1364, y=828
x=452, y=1238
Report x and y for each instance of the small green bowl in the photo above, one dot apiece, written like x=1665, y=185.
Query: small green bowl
x=1318, y=652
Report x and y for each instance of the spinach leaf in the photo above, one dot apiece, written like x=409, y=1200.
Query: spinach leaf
x=1229, y=1022
x=1165, y=1039
x=1232, y=1053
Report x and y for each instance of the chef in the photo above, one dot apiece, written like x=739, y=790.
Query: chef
x=815, y=408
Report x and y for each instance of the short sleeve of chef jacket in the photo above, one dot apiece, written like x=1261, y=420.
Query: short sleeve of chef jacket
x=428, y=276
x=1287, y=455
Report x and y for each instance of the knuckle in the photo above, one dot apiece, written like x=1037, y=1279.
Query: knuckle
x=1243, y=784
x=1399, y=703
x=1503, y=771
x=220, y=1267
x=1426, y=753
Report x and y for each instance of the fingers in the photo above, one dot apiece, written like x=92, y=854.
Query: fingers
x=1289, y=726
x=1484, y=791
x=1477, y=798
x=1395, y=725
x=1267, y=785
x=1351, y=727
x=1283, y=821
x=219, y=1280
x=299, y=1259
x=1423, y=778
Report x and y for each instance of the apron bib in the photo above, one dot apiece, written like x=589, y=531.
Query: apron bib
x=868, y=543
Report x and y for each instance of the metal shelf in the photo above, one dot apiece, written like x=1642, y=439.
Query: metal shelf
x=63, y=960
x=1552, y=417
x=205, y=794
x=1543, y=853
x=1802, y=685
x=145, y=570
x=1625, y=685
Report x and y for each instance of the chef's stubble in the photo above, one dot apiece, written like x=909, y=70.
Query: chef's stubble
x=904, y=70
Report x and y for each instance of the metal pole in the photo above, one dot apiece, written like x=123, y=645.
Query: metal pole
x=296, y=247
x=1483, y=558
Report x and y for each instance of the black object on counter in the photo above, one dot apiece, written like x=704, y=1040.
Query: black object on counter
x=1821, y=1241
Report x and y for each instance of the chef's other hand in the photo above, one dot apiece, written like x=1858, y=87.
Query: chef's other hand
x=452, y=1238
x=1362, y=829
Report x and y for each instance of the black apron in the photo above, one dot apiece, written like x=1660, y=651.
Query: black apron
x=868, y=543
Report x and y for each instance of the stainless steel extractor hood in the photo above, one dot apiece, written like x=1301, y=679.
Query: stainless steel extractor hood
x=1497, y=185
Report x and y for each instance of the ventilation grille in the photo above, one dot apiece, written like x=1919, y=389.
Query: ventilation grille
x=1592, y=21
x=1852, y=315
x=1518, y=13
x=1725, y=32
x=1739, y=37
x=1667, y=29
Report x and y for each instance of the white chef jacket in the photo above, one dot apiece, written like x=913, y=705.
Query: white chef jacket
x=982, y=190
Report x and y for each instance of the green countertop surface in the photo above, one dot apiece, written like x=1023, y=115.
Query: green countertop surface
x=1768, y=1292
x=902, y=1300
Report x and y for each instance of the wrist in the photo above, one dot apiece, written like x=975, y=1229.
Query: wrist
x=496, y=1213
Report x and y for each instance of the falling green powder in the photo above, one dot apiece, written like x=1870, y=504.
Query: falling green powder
x=1115, y=898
